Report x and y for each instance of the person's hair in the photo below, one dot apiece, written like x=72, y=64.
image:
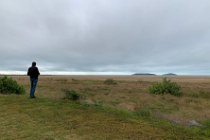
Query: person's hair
x=33, y=64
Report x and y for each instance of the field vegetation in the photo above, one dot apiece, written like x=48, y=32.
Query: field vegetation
x=10, y=86
x=165, y=87
x=107, y=107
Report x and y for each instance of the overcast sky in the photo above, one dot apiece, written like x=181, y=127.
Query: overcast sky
x=113, y=36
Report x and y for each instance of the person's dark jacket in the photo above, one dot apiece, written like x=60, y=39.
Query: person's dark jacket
x=33, y=72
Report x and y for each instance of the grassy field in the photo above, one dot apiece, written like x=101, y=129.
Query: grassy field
x=124, y=110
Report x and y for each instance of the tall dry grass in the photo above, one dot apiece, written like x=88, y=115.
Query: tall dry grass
x=131, y=94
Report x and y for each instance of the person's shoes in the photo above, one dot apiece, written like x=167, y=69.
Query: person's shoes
x=32, y=97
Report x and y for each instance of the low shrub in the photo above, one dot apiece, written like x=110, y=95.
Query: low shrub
x=166, y=87
x=75, y=81
x=71, y=95
x=10, y=86
x=110, y=82
x=144, y=112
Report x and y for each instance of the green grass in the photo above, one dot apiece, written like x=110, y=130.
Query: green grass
x=42, y=118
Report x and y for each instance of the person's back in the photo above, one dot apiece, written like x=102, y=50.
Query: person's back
x=33, y=72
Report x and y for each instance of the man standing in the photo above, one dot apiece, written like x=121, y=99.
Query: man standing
x=33, y=72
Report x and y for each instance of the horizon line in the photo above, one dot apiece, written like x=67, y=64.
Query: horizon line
x=97, y=74
x=10, y=72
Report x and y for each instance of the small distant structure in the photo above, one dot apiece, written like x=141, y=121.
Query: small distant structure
x=170, y=74
x=144, y=74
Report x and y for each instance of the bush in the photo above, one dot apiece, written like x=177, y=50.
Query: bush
x=166, y=87
x=10, y=86
x=144, y=112
x=110, y=82
x=71, y=95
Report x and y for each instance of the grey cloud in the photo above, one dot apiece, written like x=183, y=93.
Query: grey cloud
x=106, y=36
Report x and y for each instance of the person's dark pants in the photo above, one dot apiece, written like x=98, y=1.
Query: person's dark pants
x=33, y=86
